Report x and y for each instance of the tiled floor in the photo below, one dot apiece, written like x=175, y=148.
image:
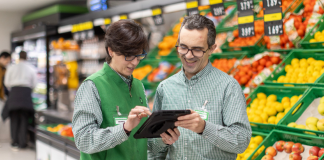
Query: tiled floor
x=5, y=148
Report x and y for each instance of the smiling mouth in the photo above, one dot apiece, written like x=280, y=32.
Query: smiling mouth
x=190, y=61
x=130, y=68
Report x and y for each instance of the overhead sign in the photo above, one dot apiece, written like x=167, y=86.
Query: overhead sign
x=244, y=5
x=157, y=16
x=217, y=7
x=273, y=24
x=192, y=7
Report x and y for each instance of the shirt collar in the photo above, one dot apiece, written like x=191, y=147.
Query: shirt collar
x=199, y=75
x=126, y=80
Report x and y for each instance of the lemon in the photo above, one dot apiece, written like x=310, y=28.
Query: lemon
x=277, y=120
x=264, y=116
x=318, y=68
x=269, y=104
x=271, y=111
x=294, y=61
x=280, y=115
x=287, y=110
x=272, y=120
x=261, y=96
x=258, y=140
x=312, y=41
x=285, y=99
x=250, y=118
x=303, y=70
x=319, y=63
x=294, y=98
x=279, y=107
x=286, y=105
x=288, y=67
x=292, y=80
x=286, y=80
x=300, y=96
x=322, y=71
x=310, y=60
x=257, y=119
x=254, y=106
x=256, y=101
x=263, y=102
x=248, y=109
x=296, y=65
x=289, y=74
x=316, y=74
x=317, y=34
x=261, y=107
x=320, y=38
x=253, y=146
x=311, y=80
x=300, y=80
x=272, y=98
x=281, y=79
x=258, y=112
x=310, y=70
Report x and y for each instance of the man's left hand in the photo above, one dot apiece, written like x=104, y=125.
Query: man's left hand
x=192, y=122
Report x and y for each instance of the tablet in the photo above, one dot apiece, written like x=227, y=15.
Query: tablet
x=159, y=122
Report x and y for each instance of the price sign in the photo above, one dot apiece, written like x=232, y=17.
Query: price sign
x=157, y=16
x=273, y=24
x=192, y=7
x=271, y=3
x=123, y=16
x=244, y=5
x=217, y=7
x=246, y=23
x=107, y=21
x=82, y=27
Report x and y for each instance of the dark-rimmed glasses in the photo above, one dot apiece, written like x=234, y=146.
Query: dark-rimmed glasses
x=182, y=50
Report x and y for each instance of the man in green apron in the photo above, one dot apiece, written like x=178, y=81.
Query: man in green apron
x=110, y=105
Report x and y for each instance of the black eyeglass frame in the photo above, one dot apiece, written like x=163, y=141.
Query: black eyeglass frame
x=191, y=51
x=144, y=54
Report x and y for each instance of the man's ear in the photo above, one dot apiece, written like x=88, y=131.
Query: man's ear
x=212, y=48
x=111, y=53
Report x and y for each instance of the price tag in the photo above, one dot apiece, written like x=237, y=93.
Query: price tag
x=157, y=16
x=107, y=21
x=244, y=5
x=123, y=16
x=271, y=3
x=246, y=23
x=273, y=22
x=192, y=7
x=217, y=7
x=82, y=27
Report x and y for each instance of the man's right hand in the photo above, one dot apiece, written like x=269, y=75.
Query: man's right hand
x=167, y=139
x=135, y=116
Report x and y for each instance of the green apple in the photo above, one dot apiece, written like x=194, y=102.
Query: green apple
x=312, y=127
x=320, y=125
x=292, y=124
x=300, y=126
x=322, y=100
x=312, y=121
x=320, y=109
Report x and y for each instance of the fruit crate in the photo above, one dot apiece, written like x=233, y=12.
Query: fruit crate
x=317, y=54
x=228, y=55
x=280, y=92
x=319, y=26
x=307, y=108
x=277, y=135
x=44, y=128
x=221, y=28
x=258, y=47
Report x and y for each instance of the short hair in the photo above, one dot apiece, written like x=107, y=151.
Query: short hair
x=125, y=37
x=200, y=22
x=5, y=54
x=23, y=55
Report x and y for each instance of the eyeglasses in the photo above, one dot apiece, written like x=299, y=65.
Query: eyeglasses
x=195, y=52
x=139, y=57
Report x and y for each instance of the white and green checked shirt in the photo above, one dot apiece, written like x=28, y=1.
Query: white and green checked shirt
x=87, y=118
x=227, y=131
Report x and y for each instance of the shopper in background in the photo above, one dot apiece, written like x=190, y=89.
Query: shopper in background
x=218, y=126
x=109, y=105
x=5, y=59
x=20, y=79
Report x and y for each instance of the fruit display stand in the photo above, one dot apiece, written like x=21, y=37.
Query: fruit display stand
x=226, y=61
x=310, y=42
x=256, y=139
x=52, y=145
x=264, y=108
x=306, y=141
x=288, y=72
x=308, y=107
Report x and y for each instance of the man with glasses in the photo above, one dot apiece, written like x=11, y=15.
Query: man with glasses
x=110, y=104
x=218, y=127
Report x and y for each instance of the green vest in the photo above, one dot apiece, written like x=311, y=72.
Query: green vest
x=114, y=92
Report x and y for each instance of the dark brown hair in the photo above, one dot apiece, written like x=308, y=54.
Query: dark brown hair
x=23, y=55
x=125, y=37
x=200, y=22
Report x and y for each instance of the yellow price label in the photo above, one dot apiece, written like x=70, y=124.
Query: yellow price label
x=272, y=17
x=156, y=11
x=193, y=4
x=211, y=2
x=107, y=21
x=82, y=27
x=245, y=19
x=123, y=17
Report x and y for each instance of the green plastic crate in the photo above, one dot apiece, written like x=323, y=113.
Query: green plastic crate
x=44, y=128
x=277, y=135
x=258, y=47
x=227, y=55
x=310, y=35
x=294, y=114
x=280, y=92
x=220, y=27
x=317, y=54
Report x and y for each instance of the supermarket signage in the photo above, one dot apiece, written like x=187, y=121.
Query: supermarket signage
x=157, y=16
x=123, y=16
x=271, y=3
x=246, y=23
x=192, y=7
x=243, y=5
x=82, y=27
x=273, y=24
x=107, y=21
x=217, y=7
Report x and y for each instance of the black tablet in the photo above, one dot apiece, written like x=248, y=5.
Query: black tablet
x=159, y=122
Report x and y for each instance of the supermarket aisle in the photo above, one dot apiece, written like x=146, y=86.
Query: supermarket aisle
x=5, y=148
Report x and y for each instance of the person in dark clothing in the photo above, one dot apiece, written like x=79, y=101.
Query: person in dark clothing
x=21, y=79
x=5, y=59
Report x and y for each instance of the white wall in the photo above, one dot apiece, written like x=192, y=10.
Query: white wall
x=9, y=22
